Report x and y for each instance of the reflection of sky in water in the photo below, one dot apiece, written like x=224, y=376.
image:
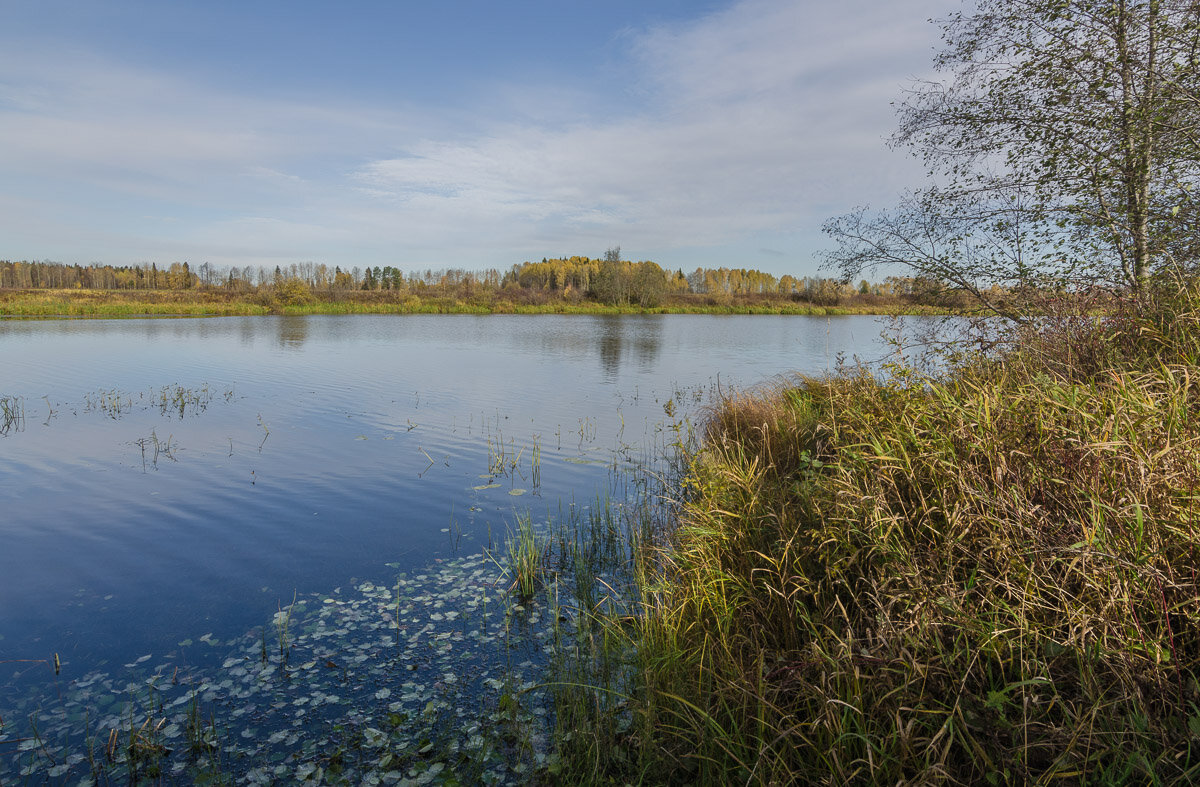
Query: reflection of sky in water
x=101, y=556
x=323, y=454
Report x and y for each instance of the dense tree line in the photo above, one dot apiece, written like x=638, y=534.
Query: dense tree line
x=607, y=279
x=56, y=275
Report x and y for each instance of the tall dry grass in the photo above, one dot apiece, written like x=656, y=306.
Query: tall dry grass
x=988, y=576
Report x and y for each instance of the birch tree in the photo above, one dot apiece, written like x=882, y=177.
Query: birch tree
x=1062, y=148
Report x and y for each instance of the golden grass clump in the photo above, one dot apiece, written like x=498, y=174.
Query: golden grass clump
x=984, y=577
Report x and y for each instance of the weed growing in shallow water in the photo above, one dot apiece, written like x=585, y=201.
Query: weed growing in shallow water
x=527, y=551
x=266, y=432
x=417, y=700
x=536, y=464
x=12, y=414
x=282, y=621
x=156, y=448
x=203, y=745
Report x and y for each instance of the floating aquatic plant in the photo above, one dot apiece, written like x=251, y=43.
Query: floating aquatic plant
x=385, y=682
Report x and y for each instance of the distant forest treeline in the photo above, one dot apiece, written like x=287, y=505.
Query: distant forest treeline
x=610, y=280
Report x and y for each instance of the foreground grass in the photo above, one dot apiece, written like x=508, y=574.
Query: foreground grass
x=987, y=577
x=196, y=303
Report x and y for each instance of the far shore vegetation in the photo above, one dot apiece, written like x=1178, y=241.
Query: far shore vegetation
x=572, y=285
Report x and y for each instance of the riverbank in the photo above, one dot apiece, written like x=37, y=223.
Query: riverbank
x=984, y=577
x=214, y=303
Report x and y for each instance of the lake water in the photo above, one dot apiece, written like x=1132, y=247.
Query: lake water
x=168, y=488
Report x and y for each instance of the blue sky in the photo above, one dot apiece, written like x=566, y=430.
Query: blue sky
x=449, y=134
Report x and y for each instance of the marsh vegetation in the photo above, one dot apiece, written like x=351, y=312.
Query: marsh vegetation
x=977, y=574
x=986, y=575
x=567, y=285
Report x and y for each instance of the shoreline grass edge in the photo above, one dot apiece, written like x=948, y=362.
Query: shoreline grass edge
x=52, y=304
x=985, y=577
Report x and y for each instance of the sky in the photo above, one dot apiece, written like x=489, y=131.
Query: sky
x=468, y=134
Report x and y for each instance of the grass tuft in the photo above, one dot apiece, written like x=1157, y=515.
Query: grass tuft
x=527, y=557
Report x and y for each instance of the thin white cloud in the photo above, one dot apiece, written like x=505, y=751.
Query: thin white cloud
x=757, y=120
x=82, y=116
x=754, y=119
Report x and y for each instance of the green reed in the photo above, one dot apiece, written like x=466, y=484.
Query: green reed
x=536, y=464
x=526, y=559
x=12, y=414
x=282, y=621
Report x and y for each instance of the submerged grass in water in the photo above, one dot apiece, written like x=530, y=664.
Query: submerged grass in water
x=438, y=675
x=385, y=681
x=12, y=414
x=169, y=400
x=450, y=674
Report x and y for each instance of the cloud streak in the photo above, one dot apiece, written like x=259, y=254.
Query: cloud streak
x=741, y=127
x=757, y=119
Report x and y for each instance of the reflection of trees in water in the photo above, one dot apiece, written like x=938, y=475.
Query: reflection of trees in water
x=248, y=330
x=641, y=335
x=293, y=331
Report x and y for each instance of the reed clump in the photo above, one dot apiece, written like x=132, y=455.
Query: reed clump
x=984, y=577
x=527, y=555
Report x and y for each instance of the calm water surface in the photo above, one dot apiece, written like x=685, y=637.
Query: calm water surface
x=311, y=453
